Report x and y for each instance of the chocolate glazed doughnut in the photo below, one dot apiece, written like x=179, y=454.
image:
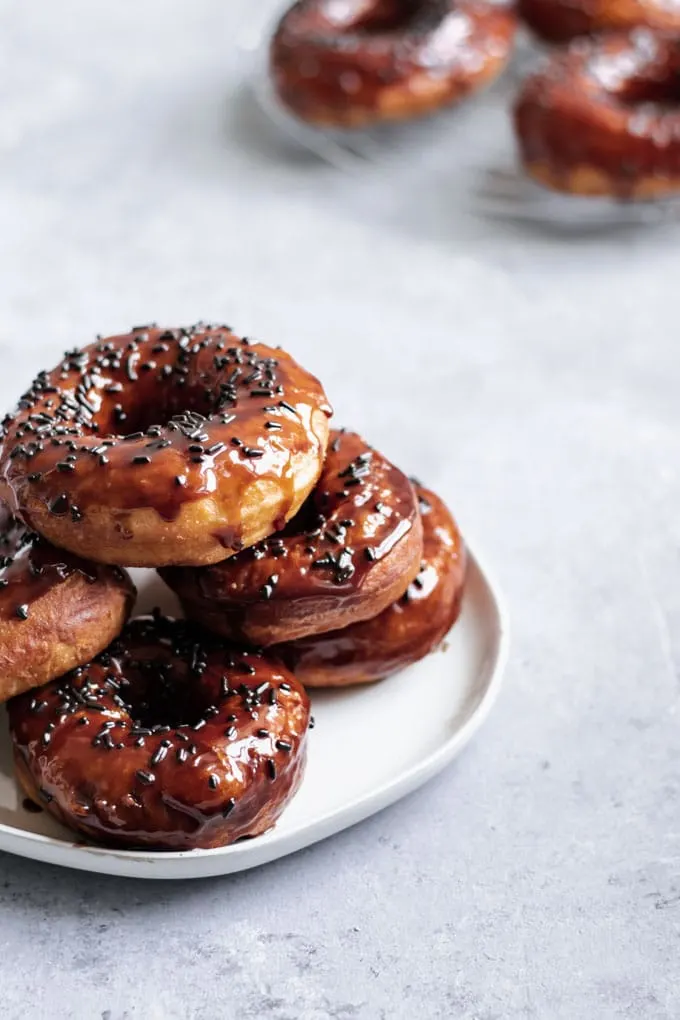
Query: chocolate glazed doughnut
x=170, y=739
x=360, y=61
x=602, y=118
x=559, y=21
x=56, y=610
x=165, y=446
x=406, y=631
x=351, y=551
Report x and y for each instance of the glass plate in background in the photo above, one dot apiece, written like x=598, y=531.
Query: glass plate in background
x=469, y=147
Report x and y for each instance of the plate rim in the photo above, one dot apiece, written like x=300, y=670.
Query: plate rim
x=85, y=857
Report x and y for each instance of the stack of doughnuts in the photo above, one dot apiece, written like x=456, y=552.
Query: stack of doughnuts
x=365, y=580
x=301, y=556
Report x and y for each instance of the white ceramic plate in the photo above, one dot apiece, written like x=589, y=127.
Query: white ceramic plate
x=339, y=789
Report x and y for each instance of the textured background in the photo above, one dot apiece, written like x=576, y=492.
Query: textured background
x=534, y=379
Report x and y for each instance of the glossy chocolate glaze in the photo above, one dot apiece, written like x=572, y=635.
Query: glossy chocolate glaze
x=56, y=610
x=404, y=632
x=169, y=739
x=612, y=105
x=334, y=57
x=31, y=567
x=157, y=419
x=328, y=557
x=560, y=21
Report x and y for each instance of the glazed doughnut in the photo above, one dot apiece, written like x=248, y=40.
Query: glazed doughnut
x=601, y=118
x=169, y=739
x=357, y=62
x=56, y=610
x=165, y=446
x=406, y=631
x=350, y=552
x=559, y=21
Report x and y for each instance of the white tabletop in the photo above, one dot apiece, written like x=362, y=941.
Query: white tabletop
x=533, y=378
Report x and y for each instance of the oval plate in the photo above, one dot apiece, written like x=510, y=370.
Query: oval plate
x=339, y=789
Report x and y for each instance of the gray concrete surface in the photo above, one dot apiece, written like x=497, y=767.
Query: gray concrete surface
x=534, y=378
